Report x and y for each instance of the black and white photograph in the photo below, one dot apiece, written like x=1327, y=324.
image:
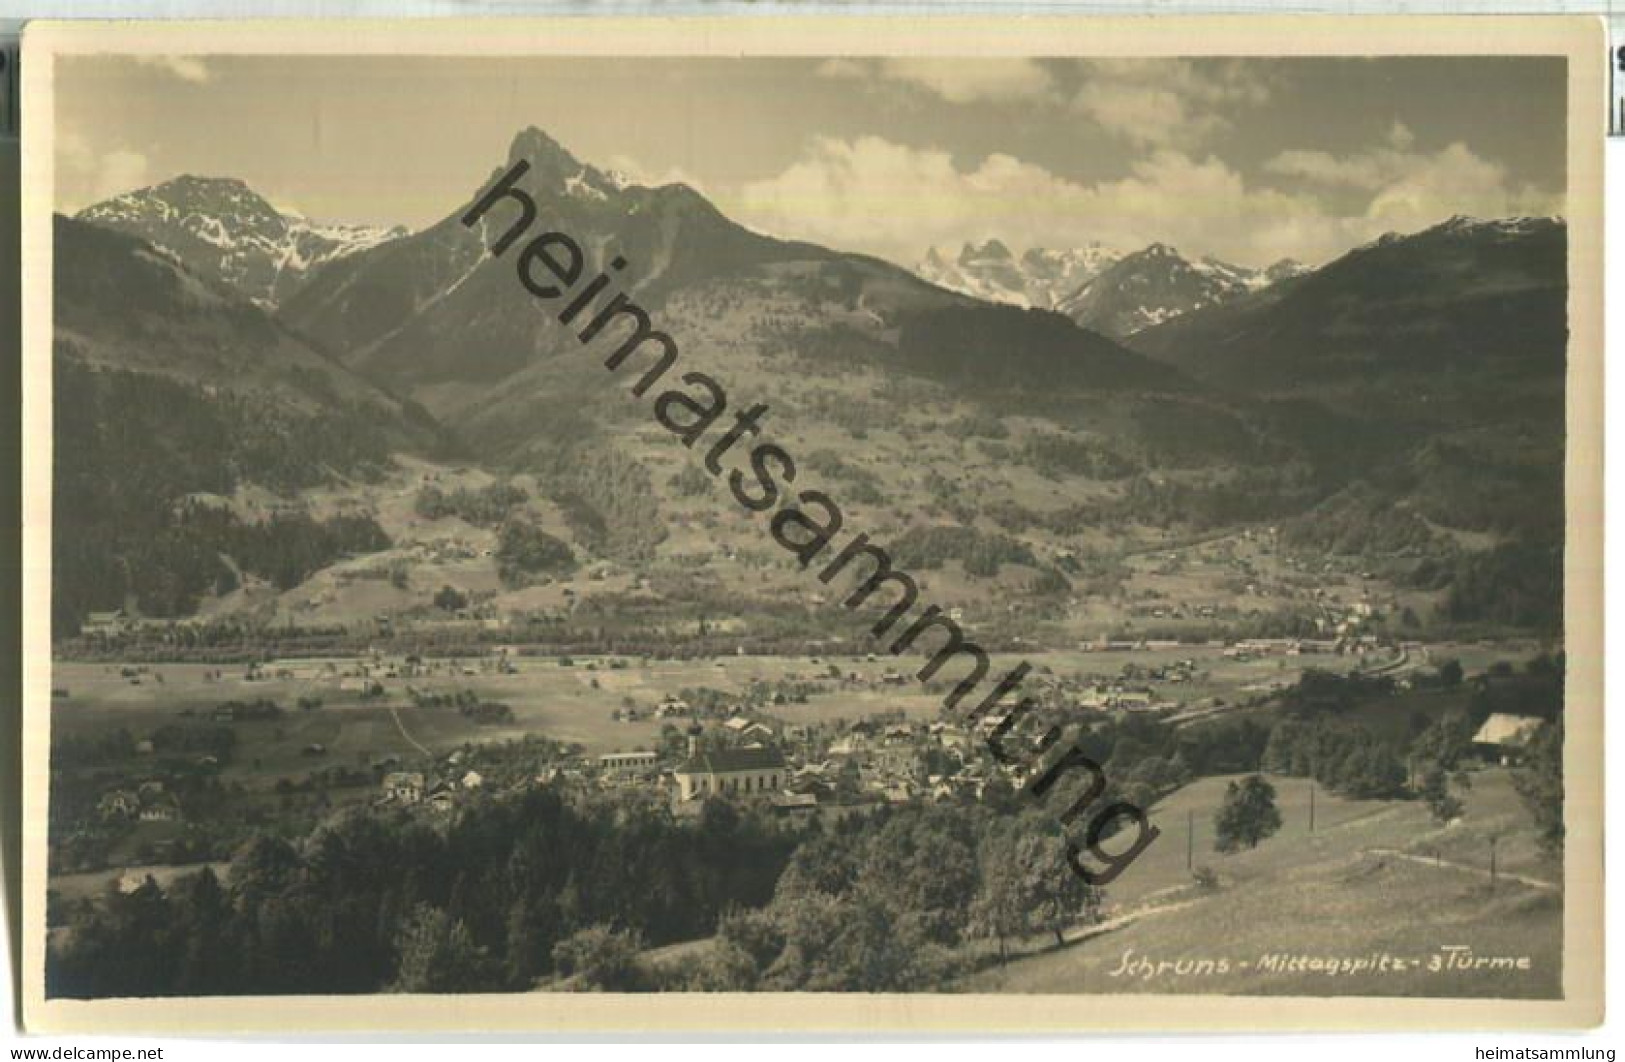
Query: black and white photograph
x=953, y=519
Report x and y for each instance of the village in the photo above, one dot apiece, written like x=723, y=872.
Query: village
x=822, y=738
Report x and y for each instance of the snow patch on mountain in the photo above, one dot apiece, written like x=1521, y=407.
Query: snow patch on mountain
x=1157, y=284
x=1040, y=278
x=222, y=230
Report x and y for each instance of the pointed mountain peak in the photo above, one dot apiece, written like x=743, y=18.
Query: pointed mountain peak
x=539, y=149
x=221, y=229
x=553, y=167
x=993, y=249
x=216, y=210
x=192, y=193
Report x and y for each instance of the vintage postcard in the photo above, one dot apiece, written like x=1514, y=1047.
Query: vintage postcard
x=821, y=524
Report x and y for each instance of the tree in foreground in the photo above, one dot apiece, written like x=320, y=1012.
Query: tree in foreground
x=1027, y=887
x=439, y=955
x=1247, y=816
x=601, y=959
x=1540, y=783
x=1444, y=804
x=1447, y=742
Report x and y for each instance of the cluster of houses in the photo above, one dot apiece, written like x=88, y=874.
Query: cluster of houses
x=797, y=771
x=412, y=789
x=146, y=802
x=802, y=771
x=1343, y=645
x=366, y=674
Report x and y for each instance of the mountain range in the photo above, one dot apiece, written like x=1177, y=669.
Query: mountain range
x=1464, y=296
x=1158, y=284
x=1422, y=373
x=223, y=230
x=432, y=315
x=1041, y=277
x=1102, y=289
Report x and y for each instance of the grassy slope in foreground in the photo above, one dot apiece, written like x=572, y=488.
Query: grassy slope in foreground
x=1365, y=881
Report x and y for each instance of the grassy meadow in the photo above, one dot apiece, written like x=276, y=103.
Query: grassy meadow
x=1373, y=878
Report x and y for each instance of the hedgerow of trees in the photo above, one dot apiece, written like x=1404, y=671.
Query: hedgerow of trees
x=482, y=506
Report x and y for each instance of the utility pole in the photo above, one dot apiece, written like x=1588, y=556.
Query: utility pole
x=1311, y=805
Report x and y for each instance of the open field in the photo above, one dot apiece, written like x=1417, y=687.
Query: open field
x=93, y=885
x=573, y=703
x=577, y=702
x=1374, y=878
x=1374, y=884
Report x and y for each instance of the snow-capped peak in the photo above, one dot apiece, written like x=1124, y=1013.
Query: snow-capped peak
x=222, y=229
x=1041, y=277
x=1509, y=226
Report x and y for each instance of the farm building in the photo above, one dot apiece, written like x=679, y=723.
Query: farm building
x=119, y=804
x=112, y=622
x=403, y=787
x=1505, y=736
x=159, y=807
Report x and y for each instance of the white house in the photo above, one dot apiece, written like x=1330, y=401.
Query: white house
x=731, y=772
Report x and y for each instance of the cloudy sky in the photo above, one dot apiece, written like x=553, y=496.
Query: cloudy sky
x=1248, y=160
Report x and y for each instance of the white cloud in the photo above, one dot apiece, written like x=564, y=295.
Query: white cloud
x=873, y=195
x=894, y=201
x=1167, y=102
x=1322, y=167
x=285, y=205
x=638, y=173
x=888, y=199
x=121, y=171
x=1143, y=114
x=954, y=80
x=969, y=80
x=86, y=174
x=1409, y=189
x=186, y=67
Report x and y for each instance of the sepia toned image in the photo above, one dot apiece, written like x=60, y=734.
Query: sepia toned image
x=814, y=525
